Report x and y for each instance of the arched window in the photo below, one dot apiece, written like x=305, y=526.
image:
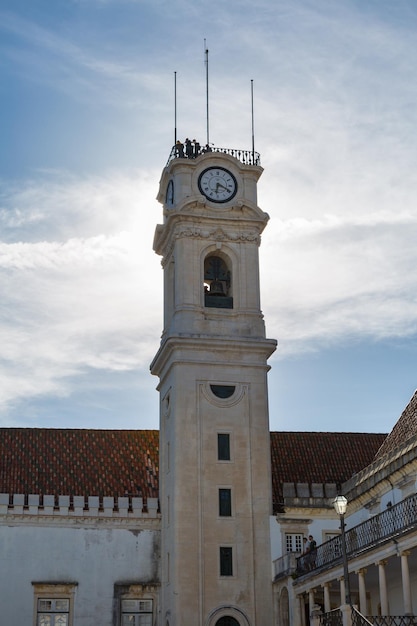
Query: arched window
x=227, y=621
x=284, y=607
x=217, y=283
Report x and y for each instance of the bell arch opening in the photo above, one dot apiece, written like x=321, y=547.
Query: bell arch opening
x=217, y=282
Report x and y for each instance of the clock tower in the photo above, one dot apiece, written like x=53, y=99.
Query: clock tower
x=215, y=478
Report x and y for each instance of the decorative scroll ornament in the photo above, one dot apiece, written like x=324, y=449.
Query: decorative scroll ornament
x=216, y=234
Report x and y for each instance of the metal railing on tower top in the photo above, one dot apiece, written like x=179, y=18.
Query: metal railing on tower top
x=191, y=150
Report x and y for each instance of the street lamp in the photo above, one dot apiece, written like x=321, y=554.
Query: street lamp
x=340, y=505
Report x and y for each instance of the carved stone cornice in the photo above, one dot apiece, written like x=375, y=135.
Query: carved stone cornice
x=217, y=235
x=62, y=521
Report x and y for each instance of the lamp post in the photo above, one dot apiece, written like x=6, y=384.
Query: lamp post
x=340, y=505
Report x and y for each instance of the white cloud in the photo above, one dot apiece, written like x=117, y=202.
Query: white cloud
x=94, y=301
x=334, y=122
x=85, y=302
x=337, y=277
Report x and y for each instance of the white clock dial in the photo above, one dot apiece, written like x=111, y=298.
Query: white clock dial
x=217, y=184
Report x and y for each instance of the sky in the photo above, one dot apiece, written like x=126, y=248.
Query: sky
x=87, y=119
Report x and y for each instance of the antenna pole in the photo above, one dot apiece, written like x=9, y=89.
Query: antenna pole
x=207, y=90
x=175, y=108
x=253, y=125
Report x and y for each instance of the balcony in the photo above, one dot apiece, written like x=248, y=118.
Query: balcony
x=247, y=157
x=393, y=522
x=285, y=565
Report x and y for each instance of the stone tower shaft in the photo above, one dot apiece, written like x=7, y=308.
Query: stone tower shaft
x=215, y=488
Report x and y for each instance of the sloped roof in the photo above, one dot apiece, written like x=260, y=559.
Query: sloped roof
x=315, y=457
x=79, y=462
x=404, y=429
x=125, y=462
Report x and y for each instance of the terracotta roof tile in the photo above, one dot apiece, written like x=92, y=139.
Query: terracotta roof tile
x=79, y=462
x=404, y=429
x=125, y=462
x=315, y=457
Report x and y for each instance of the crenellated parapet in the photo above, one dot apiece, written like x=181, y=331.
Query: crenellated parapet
x=126, y=507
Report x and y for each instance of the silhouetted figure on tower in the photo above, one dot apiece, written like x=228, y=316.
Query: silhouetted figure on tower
x=188, y=148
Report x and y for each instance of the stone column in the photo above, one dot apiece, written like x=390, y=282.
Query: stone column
x=362, y=590
x=326, y=592
x=405, y=574
x=346, y=614
x=301, y=610
x=383, y=596
x=298, y=611
x=310, y=602
x=342, y=591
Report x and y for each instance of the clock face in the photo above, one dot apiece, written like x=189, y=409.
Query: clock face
x=217, y=184
x=170, y=193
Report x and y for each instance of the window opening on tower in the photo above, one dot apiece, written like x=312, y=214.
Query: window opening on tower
x=223, y=391
x=217, y=283
x=227, y=621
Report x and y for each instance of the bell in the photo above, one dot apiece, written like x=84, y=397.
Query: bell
x=216, y=288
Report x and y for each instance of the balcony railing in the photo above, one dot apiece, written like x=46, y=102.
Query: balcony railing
x=393, y=620
x=360, y=620
x=286, y=564
x=335, y=618
x=247, y=157
x=392, y=522
x=332, y=618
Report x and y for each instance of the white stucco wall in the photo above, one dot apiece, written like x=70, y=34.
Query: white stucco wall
x=95, y=558
x=276, y=538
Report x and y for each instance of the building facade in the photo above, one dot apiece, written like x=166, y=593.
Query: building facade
x=381, y=539
x=79, y=527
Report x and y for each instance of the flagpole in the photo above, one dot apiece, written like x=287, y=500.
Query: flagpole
x=207, y=91
x=175, y=108
x=253, y=125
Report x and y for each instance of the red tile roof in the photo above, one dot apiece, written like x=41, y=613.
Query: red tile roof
x=125, y=462
x=79, y=462
x=314, y=457
x=404, y=429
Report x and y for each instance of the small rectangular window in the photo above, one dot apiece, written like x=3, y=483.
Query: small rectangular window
x=331, y=535
x=136, y=612
x=54, y=603
x=53, y=612
x=135, y=604
x=226, y=561
x=335, y=547
x=223, y=446
x=225, y=502
x=294, y=542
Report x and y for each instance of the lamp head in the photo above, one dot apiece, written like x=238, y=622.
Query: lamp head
x=340, y=505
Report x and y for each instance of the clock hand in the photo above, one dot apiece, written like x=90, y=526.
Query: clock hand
x=222, y=186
